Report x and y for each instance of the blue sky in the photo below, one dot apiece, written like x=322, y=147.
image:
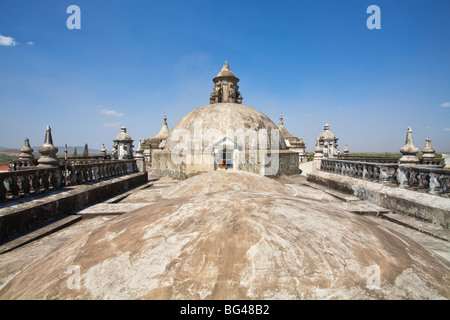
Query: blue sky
x=313, y=61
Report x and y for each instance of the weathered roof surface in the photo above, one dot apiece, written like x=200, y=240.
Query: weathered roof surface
x=237, y=235
x=216, y=121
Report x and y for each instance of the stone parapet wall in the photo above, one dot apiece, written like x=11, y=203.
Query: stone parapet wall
x=284, y=163
x=289, y=163
x=431, y=179
x=36, y=180
x=16, y=218
x=421, y=206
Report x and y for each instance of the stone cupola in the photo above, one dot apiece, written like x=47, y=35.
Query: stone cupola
x=225, y=89
x=123, y=145
x=328, y=141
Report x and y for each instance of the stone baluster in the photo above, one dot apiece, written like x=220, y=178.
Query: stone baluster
x=375, y=173
x=85, y=174
x=56, y=179
x=365, y=172
x=44, y=181
x=14, y=187
x=104, y=171
x=443, y=181
x=36, y=183
x=25, y=185
x=434, y=185
x=402, y=177
x=95, y=173
x=384, y=176
x=2, y=189
x=421, y=181
x=74, y=176
x=413, y=177
x=79, y=176
x=353, y=170
x=89, y=173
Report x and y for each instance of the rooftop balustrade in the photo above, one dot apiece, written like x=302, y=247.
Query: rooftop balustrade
x=431, y=179
x=36, y=180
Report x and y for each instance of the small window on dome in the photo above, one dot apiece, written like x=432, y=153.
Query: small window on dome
x=224, y=153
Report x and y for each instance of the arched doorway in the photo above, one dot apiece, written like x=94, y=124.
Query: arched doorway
x=224, y=154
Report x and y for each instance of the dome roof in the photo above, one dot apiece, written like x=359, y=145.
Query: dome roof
x=216, y=121
x=327, y=135
x=123, y=135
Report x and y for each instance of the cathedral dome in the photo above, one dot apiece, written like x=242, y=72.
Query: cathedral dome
x=211, y=123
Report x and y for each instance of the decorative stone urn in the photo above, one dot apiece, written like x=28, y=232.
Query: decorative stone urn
x=409, y=150
x=48, y=151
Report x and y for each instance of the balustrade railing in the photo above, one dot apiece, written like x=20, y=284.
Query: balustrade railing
x=79, y=173
x=431, y=179
x=22, y=183
x=17, y=184
x=22, y=164
x=369, y=159
x=15, y=165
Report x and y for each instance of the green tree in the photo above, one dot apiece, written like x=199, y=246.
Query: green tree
x=86, y=151
x=75, y=153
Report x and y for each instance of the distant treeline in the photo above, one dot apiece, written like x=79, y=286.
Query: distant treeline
x=5, y=159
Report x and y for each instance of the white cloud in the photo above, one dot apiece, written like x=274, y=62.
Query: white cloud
x=445, y=105
x=7, y=41
x=111, y=112
x=446, y=129
x=30, y=43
